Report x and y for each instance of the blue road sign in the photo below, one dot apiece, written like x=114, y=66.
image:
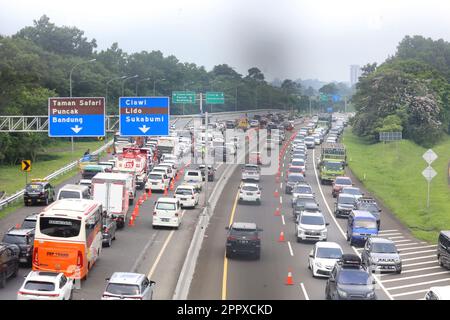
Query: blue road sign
x=76, y=117
x=330, y=109
x=144, y=116
x=336, y=98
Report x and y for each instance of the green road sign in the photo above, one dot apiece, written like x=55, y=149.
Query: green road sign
x=215, y=98
x=185, y=97
x=323, y=97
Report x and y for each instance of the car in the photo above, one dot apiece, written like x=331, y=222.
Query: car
x=9, y=262
x=299, y=162
x=292, y=180
x=443, y=249
x=167, y=213
x=30, y=221
x=344, y=204
x=243, y=238
x=251, y=172
x=211, y=172
x=24, y=239
x=381, y=255
x=302, y=190
x=438, y=293
x=254, y=123
x=369, y=204
x=46, y=285
x=157, y=181
x=250, y=192
x=109, y=228
x=299, y=154
x=128, y=286
x=331, y=140
x=39, y=191
x=322, y=258
x=349, y=280
x=188, y=195
x=310, y=142
x=311, y=225
x=339, y=183
x=356, y=192
x=361, y=225
x=230, y=124
x=295, y=169
x=299, y=205
x=194, y=177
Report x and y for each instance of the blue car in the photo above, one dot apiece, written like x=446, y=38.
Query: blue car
x=361, y=225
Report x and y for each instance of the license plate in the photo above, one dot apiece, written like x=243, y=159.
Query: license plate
x=249, y=194
x=243, y=241
x=184, y=199
x=154, y=183
x=165, y=219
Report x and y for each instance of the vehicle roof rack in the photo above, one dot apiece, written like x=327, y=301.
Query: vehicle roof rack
x=350, y=260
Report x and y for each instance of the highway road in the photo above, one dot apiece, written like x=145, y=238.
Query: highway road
x=217, y=277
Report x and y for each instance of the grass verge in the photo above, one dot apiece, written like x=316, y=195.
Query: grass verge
x=393, y=172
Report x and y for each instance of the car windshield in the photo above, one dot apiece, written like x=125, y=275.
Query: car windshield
x=353, y=191
x=296, y=178
x=28, y=224
x=165, y=206
x=15, y=239
x=329, y=253
x=333, y=166
x=250, y=168
x=123, y=289
x=312, y=220
x=346, y=200
x=354, y=277
x=250, y=188
x=60, y=227
x=154, y=177
x=303, y=189
x=193, y=174
x=365, y=223
x=369, y=207
x=295, y=169
x=384, y=248
x=39, y=286
x=298, y=163
x=65, y=194
x=33, y=187
x=243, y=232
x=184, y=192
x=343, y=181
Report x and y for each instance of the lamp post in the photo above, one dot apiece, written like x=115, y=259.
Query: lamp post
x=184, y=89
x=70, y=86
x=138, y=82
x=123, y=82
x=107, y=83
x=154, y=85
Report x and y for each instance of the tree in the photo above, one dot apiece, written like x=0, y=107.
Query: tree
x=329, y=88
x=225, y=70
x=255, y=74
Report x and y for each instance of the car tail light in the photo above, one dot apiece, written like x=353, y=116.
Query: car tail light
x=41, y=193
x=36, y=256
x=231, y=238
x=176, y=214
x=154, y=213
x=80, y=259
x=192, y=198
x=259, y=192
x=255, y=238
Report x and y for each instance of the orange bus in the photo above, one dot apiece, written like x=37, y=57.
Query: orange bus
x=68, y=237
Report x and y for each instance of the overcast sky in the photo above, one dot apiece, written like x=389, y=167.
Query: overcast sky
x=284, y=38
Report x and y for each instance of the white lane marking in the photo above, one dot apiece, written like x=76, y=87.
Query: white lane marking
x=418, y=263
x=150, y=273
x=281, y=185
x=304, y=291
x=417, y=252
x=396, y=237
x=409, y=293
x=418, y=276
x=339, y=227
x=406, y=240
x=282, y=218
x=421, y=299
x=282, y=172
x=283, y=164
x=290, y=248
x=415, y=248
x=389, y=230
x=418, y=258
x=414, y=270
x=406, y=244
x=389, y=234
x=418, y=284
x=281, y=200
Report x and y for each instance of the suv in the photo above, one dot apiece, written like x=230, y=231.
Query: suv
x=250, y=192
x=303, y=190
x=30, y=221
x=339, y=183
x=24, y=239
x=39, y=190
x=381, y=255
x=292, y=180
x=243, y=237
x=128, y=286
x=369, y=204
x=9, y=262
x=311, y=225
x=349, y=280
x=251, y=172
x=344, y=205
x=443, y=249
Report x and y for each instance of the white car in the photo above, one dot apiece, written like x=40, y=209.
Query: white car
x=251, y=172
x=188, y=195
x=128, y=286
x=167, y=213
x=157, y=181
x=323, y=257
x=356, y=192
x=310, y=142
x=302, y=190
x=44, y=285
x=194, y=177
x=311, y=226
x=438, y=293
x=250, y=192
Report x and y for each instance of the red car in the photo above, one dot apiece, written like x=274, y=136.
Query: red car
x=295, y=169
x=339, y=183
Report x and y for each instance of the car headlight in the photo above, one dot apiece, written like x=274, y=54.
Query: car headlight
x=373, y=260
x=342, y=293
x=300, y=229
x=318, y=265
x=371, y=294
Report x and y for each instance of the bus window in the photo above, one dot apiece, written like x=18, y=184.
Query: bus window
x=60, y=227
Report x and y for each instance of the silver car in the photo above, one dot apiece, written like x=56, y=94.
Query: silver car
x=381, y=255
x=128, y=286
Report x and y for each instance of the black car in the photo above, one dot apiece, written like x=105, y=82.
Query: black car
x=39, y=190
x=292, y=180
x=443, y=249
x=9, y=262
x=30, y=221
x=24, y=239
x=109, y=229
x=299, y=205
x=350, y=280
x=211, y=172
x=243, y=238
x=230, y=124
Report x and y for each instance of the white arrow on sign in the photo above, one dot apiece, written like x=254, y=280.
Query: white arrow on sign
x=429, y=173
x=429, y=156
x=76, y=129
x=144, y=128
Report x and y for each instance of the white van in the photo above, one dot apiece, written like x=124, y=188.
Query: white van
x=172, y=171
x=74, y=191
x=167, y=213
x=188, y=195
x=164, y=169
x=194, y=177
x=157, y=180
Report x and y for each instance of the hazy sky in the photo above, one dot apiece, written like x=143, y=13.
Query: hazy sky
x=284, y=38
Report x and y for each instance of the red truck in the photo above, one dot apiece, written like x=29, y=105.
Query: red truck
x=134, y=160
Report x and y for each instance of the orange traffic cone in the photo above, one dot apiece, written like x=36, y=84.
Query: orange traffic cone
x=131, y=222
x=276, y=194
x=177, y=177
x=144, y=196
x=277, y=211
x=18, y=226
x=136, y=210
x=171, y=185
x=289, y=280
x=281, y=238
x=166, y=192
x=149, y=192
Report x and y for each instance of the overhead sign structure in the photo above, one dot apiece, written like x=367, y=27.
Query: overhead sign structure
x=183, y=97
x=26, y=165
x=144, y=116
x=215, y=98
x=76, y=117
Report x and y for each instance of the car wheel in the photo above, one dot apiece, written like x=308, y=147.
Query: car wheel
x=109, y=242
x=3, y=280
x=228, y=255
x=441, y=263
x=16, y=271
x=348, y=238
x=399, y=271
x=47, y=201
x=71, y=295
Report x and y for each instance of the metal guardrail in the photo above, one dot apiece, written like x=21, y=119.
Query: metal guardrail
x=15, y=197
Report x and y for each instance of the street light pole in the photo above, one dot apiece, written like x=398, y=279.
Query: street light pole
x=154, y=85
x=138, y=82
x=123, y=82
x=107, y=83
x=70, y=86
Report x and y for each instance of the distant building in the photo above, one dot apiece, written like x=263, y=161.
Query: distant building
x=355, y=73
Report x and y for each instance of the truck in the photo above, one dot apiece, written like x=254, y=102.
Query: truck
x=168, y=145
x=332, y=162
x=324, y=121
x=110, y=189
x=134, y=160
